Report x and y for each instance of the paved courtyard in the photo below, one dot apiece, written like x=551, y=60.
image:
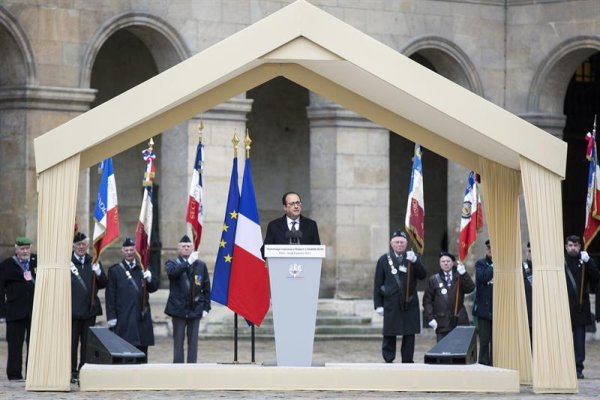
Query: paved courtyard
x=324, y=351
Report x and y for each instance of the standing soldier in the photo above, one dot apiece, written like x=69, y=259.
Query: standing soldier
x=580, y=271
x=484, y=300
x=189, y=299
x=395, y=297
x=17, y=285
x=127, y=309
x=444, y=297
x=86, y=280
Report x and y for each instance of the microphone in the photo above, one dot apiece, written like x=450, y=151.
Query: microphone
x=298, y=236
x=289, y=235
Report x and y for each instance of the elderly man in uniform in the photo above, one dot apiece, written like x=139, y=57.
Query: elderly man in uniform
x=86, y=280
x=580, y=271
x=17, y=286
x=127, y=309
x=189, y=299
x=444, y=297
x=395, y=297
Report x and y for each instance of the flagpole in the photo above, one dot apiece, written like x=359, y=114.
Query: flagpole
x=248, y=142
x=235, y=141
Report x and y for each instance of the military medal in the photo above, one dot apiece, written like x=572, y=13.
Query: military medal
x=394, y=271
x=444, y=291
x=441, y=284
x=402, y=268
x=27, y=275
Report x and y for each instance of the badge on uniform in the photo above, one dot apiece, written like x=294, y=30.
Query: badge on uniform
x=394, y=271
x=196, y=280
x=444, y=291
x=402, y=269
x=441, y=284
x=27, y=275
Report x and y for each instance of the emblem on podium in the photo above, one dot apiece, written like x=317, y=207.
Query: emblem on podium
x=295, y=270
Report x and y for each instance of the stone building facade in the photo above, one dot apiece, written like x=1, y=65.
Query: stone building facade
x=58, y=58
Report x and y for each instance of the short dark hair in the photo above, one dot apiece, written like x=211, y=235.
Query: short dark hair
x=573, y=239
x=286, y=194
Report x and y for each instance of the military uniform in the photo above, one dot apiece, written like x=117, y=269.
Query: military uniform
x=482, y=309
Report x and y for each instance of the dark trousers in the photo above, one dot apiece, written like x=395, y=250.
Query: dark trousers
x=17, y=333
x=407, y=350
x=484, y=331
x=440, y=336
x=79, y=334
x=579, y=345
x=182, y=328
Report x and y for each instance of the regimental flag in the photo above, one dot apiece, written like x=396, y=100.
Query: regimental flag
x=471, y=220
x=106, y=211
x=144, y=225
x=415, y=207
x=220, y=286
x=249, y=292
x=195, y=207
x=592, y=204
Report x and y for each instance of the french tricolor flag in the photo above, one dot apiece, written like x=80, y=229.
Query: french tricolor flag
x=415, y=208
x=249, y=293
x=106, y=211
x=144, y=225
x=195, y=208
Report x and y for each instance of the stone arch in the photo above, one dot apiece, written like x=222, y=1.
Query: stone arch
x=162, y=40
x=552, y=78
x=449, y=60
x=18, y=49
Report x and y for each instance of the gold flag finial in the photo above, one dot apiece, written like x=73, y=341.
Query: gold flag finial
x=200, y=128
x=151, y=143
x=235, y=141
x=247, y=142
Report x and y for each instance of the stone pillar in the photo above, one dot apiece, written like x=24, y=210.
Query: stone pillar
x=349, y=164
x=27, y=112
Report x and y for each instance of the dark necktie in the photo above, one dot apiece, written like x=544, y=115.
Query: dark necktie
x=448, y=279
x=293, y=230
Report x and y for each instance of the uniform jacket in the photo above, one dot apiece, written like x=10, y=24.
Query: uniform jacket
x=580, y=312
x=16, y=293
x=400, y=317
x=124, y=303
x=484, y=297
x=189, y=288
x=439, y=299
x=81, y=298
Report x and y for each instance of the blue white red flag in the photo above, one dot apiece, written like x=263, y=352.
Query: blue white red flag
x=195, y=207
x=106, y=211
x=249, y=293
x=471, y=220
x=144, y=225
x=592, y=211
x=415, y=207
x=220, y=286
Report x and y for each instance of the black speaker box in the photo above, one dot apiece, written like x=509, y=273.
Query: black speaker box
x=106, y=347
x=458, y=347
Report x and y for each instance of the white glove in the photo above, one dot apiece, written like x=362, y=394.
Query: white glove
x=111, y=323
x=433, y=324
x=204, y=313
x=193, y=257
x=96, y=269
x=460, y=268
x=148, y=275
x=411, y=256
x=379, y=310
x=585, y=257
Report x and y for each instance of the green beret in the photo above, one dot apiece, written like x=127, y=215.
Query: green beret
x=22, y=241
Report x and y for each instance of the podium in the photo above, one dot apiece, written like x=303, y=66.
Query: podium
x=294, y=276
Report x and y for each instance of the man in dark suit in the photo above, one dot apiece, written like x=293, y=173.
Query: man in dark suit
x=17, y=285
x=292, y=228
x=86, y=279
x=484, y=296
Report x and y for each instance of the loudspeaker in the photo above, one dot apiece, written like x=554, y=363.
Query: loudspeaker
x=106, y=347
x=458, y=347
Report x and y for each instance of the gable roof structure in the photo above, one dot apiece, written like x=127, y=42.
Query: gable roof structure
x=325, y=55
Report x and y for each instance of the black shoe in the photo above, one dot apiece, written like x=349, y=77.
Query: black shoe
x=579, y=375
